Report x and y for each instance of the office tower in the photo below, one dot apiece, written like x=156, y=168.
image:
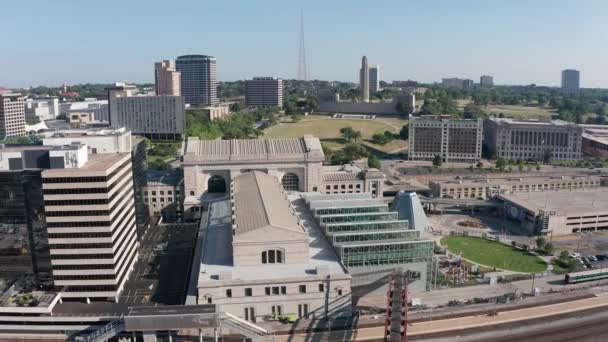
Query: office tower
x=455, y=140
x=486, y=81
x=571, y=80
x=12, y=115
x=532, y=139
x=264, y=92
x=166, y=78
x=460, y=83
x=198, y=79
x=155, y=117
x=374, y=79
x=364, y=80
x=90, y=215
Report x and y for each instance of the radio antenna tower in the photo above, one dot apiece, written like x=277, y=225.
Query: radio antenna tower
x=302, y=66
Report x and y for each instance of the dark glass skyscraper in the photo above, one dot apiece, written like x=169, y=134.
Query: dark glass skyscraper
x=198, y=79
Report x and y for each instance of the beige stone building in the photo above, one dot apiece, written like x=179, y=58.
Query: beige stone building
x=348, y=179
x=485, y=188
x=258, y=259
x=532, y=139
x=211, y=165
x=91, y=223
x=12, y=115
x=217, y=112
x=455, y=140
x=167, y=79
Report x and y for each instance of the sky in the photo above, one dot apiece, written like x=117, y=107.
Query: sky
x=52, y=42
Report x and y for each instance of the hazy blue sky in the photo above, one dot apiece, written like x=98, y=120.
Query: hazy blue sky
x=517, y=41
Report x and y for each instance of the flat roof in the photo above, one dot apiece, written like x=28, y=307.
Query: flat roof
x=159, y=178
x=217, y=261
x=512, y=180
x=100, y=162
x=564, y=202
x=346, y=203
x=512, y=121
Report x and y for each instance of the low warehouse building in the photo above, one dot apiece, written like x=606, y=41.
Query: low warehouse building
x=559, y=212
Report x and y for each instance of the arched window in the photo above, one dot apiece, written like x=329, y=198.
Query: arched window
x=291, y=182
x=272, y=256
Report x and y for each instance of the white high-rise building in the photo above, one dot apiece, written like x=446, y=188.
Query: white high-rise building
x=91, y=223
x=264, y=92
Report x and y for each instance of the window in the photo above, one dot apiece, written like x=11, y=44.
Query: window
x=229, y=293
x=275, y=290
x=283, y=289
x=250, y=314
x=272, y=256
x=191, y=193
x=248, y=292
x=314, y=188
x=209, y=300
x=321, y=287
x=153, y=193
x=302, y=288
x=302, y=310
x=339, y=292
x=277, y=310
x=267, y=290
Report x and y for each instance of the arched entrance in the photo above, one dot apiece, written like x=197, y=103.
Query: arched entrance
x=291, y=182
x=216, y=184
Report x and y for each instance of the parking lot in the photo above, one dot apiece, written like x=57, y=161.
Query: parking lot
x=161, y=271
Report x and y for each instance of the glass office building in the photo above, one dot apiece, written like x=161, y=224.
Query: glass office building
x=371, y=240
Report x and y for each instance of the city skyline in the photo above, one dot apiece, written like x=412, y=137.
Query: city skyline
x=515, y=42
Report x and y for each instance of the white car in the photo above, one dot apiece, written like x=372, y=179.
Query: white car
x=575, y=255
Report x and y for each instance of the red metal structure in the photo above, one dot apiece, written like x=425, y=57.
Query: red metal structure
x=395, y=324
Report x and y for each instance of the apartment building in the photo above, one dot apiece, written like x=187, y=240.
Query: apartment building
x=264, y=92
x=521, y=139
x=12, y=115
x=486, y=81
x=374, y=79
x=155, y=117
x=90, y=215
x=455, y=140
x=486, y=188
x=459, y=83
x=198, y=79
x=571, y=80
x=167, y=80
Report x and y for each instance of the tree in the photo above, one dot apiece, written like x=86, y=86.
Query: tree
x=472, y=111
x=548, y=249
x=548, y=156
x=437, y=161
x=296, y=118
x=374, y=162
x=357, y=136
x=540, y=242
x=513, y=243
x=537, y=167
x=479, y=165
x=404, y=133
x=381, y=139
x=500, y=163
x=235, y=107
x=347, y=133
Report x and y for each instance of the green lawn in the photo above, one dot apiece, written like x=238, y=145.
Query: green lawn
x=512, y=111
x=328, y=130
x=494, y=254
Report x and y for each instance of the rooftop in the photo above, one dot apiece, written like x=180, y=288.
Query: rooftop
x=158, y=178
x=251, y=150
x=77, y=133
x=563, y=202
x=512, y=121
x=483, y=181
x=216, y=261
x=96, y=162
x=259, y=202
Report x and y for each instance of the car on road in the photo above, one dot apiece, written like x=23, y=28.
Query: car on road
x=578, y=255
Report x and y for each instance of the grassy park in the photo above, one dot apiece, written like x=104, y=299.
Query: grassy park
x=328, y=130
x=493, y=254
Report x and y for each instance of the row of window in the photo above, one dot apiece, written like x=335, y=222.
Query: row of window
x=278, y=290
x=343, y=186
x=78, y=213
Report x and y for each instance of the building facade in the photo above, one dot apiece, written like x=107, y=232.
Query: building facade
x=167, y=80
x=460, y=83
x=12, y=115
x=484, y=188
x=217, y=112
x=164, y=194
x=595, y=141
x=486, y=81
x=264, y=92
x=374, y=79
x=211, y=165
x=155, y=117
x=571, y=80
x=90, y=214
x=533, y=139
x=349, y=179
x=454, y=140
x=198, y=79
x=266, y=263
x=41, y=109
